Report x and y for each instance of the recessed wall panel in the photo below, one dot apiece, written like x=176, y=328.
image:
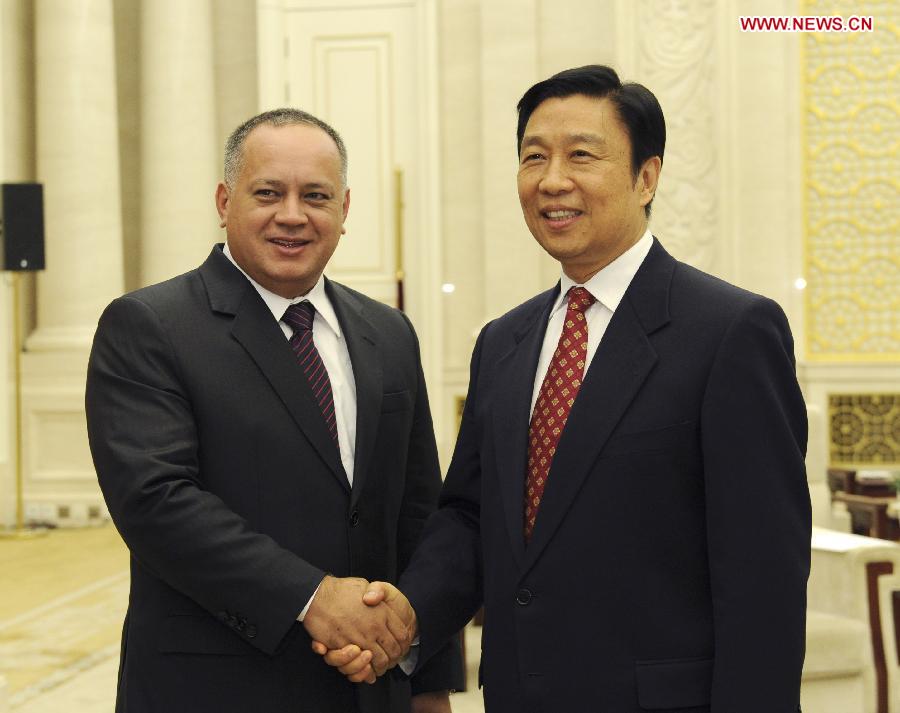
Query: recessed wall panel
x=363, y=116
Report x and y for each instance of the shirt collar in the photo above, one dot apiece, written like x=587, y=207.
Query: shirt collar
x=277, y=304
x=608, y=286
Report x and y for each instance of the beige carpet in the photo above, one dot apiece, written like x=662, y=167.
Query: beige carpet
x=61, y=608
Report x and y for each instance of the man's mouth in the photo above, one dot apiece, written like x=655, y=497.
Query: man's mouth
x=288, y=242
x=560, y=214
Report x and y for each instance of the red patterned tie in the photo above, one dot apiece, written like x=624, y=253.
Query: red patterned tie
x=554, y=401
x=299, y=317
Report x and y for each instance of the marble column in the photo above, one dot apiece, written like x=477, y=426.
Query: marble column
x=509, y=65
x=179, y=155
x=78, y=163
x=16, y=152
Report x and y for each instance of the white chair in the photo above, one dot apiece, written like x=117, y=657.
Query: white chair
x=852, y=585
x=824, y=513
x=837, y=657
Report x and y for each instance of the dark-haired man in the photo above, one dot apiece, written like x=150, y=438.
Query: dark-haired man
x=627, y=496
x=263, y=440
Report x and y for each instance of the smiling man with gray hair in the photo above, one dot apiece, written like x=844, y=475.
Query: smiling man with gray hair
x=263, y=440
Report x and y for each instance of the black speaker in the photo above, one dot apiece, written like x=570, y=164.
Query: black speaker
x=22, y=229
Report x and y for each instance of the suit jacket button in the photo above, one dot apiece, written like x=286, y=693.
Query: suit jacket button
x=250, y=631
x=354, y=518
x=523, y=596
x=222, y=616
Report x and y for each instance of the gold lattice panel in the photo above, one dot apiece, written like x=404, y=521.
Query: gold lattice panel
x=865, y=429
x=852, y=131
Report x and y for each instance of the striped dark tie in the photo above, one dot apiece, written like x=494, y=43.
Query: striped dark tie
x=299, y=317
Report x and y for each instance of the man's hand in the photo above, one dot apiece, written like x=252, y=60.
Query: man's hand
x=352, y=661
x=386, y=592
x=337, y=617
x=357, y=662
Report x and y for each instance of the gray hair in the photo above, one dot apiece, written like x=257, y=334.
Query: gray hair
x=286, y=116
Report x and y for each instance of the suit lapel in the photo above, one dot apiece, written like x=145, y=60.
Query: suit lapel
x=365, y=355
x=258, y=333
x=512, y=414
x=618, y=370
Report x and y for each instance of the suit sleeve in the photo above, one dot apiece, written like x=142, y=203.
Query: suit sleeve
x=145, y=444
x=444, y=579
x=758, y=514
x=444, y=671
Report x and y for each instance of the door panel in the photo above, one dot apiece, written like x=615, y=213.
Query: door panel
x=356, y=69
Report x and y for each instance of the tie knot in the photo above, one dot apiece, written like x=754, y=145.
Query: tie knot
x=299, y=316
x=580, y=299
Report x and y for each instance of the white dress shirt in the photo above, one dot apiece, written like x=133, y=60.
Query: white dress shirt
x=608, y=287
x=332, y=348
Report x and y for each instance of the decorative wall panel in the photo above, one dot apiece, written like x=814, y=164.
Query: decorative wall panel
x=852, y=132
x=676, y=60
x=370, y=225
x=865, y=429
x=355, y=66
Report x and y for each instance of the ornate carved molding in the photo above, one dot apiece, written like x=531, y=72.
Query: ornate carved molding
x=676, y=60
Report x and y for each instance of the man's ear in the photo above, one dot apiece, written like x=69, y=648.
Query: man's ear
x=345, y=209
x=648, y=178
x=222, y=200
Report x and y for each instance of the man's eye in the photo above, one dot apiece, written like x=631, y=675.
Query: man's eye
x=580, y=153
x=532, y=157
x=266, y=193
x=317, y=196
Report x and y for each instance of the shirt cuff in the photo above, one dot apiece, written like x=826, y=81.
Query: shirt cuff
x=408, y=664
x=306, y=608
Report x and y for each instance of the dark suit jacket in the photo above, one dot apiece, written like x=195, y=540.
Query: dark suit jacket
x=667, y=569
x=219, y=472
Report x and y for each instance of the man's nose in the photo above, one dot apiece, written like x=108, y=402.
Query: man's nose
x=291, y=212
x=555, y=179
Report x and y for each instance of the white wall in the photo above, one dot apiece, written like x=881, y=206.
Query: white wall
x=730, y=198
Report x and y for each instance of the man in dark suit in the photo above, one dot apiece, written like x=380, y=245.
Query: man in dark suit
x=263, y=440
x=640, y=541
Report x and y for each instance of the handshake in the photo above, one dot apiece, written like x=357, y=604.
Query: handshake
x=361, y=628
